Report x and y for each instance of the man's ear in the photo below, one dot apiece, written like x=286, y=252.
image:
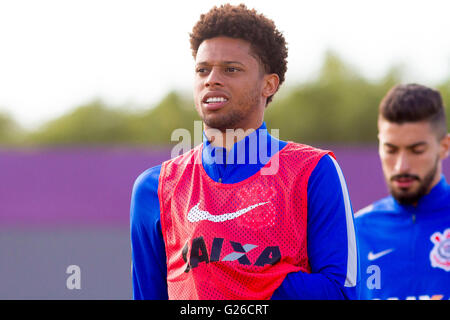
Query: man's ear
x=444, y=147
x=271, y=83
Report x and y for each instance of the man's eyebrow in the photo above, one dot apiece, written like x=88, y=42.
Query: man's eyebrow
x=417, y=144
x=390, y=145
x=205, y=63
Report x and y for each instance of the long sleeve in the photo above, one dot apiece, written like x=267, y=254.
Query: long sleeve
x=149, y=271
x=331, y=242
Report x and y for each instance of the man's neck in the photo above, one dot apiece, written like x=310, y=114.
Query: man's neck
x=228, y=137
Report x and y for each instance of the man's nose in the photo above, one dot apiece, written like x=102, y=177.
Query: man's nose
x=214, y=78
x=402, y=164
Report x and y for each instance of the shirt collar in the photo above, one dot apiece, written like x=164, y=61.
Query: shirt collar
x=245, y=158
x=207, y=143
x=218, y=155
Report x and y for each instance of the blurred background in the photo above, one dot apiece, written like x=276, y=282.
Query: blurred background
x=91, y=91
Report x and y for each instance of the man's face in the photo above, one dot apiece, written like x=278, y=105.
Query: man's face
x=411, y=157
x=230, y=88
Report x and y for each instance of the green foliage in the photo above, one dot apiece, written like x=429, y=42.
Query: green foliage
x=444, y=89
x=95, y=123
x=92, y=123
x=156, y=125
x=338, y=106
x=10, y=131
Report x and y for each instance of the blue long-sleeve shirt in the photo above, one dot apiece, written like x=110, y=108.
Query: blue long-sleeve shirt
x=405, y=249
x=331, y=242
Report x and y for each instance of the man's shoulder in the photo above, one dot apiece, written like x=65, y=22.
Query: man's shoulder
x=295, y=150
x=148, y=180
x=379, y=207
x=144, y=200
x=184, y=157
x=150, y=177
x=301, y=147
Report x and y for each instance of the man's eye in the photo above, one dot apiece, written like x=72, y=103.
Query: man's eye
x=201, y=70
x=418, y=150
x=390, y=150
x=231, y=69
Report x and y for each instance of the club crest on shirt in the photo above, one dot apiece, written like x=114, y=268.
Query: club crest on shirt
x=440, y=254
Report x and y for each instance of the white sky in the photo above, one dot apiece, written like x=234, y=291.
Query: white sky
x=58, y=54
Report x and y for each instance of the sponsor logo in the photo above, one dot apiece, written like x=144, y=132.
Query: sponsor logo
x=374, y=256
x=422, y=297
x=196, y=215
x=199, y=253
x=440, y=254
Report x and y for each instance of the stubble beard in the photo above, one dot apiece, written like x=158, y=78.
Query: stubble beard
x=229, y=120
x=412, y=198
x=237, y=114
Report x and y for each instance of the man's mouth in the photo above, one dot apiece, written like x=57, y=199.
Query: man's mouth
x=216, y=100
x=213, y=102
x=404, y=181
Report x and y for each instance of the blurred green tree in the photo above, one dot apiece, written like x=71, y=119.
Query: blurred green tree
x=444, y=89
x=92, y=123
x=10, y=132
x=338, y=106
x=156, y=125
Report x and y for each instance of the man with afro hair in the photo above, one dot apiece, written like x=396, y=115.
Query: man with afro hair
x=243, y=215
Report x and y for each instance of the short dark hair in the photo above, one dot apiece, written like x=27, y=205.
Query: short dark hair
x=267, y=43
x=414, y=103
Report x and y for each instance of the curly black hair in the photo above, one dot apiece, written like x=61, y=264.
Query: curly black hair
x=267, y=43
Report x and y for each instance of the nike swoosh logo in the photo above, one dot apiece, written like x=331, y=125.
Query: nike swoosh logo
x=373, y=256
x=196, y=215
